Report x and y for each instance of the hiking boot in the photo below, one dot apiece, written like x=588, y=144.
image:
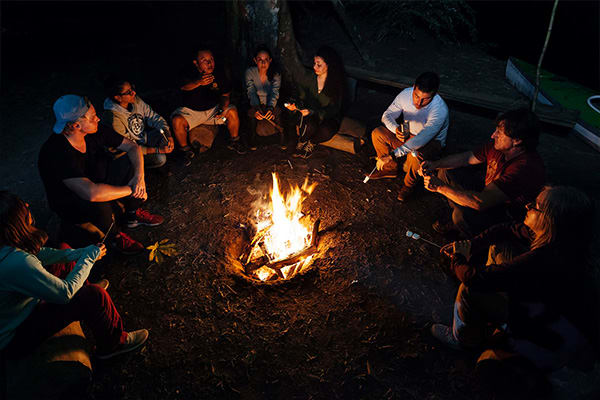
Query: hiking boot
x=306, y=150
x=384, y=174
x=237, y=146
x=188, y=155
x=405, y=193
x=444, y=228
x=103, y=283
x=144, y=217
x=134, y=341
x=125, y=244
x=199, y=147
x=444, y=334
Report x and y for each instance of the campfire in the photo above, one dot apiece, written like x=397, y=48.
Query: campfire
x=285, y=240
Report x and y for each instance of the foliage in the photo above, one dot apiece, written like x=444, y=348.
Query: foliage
x=448, y=20
x=159, y=250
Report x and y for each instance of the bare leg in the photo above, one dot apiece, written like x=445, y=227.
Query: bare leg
x=233, y=122
x=180, y=129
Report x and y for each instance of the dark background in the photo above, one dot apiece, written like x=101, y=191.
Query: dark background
x=37, y=34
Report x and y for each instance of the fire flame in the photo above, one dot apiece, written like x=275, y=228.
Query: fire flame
x=286, y=232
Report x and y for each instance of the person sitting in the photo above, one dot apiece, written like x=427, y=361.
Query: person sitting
x=515, y=174
x=128, y=115
x=320, y=94
x=83, y=183
x=420, y=135
x=205, y=99
x=540, y=294
x=262, y=88
x=35, y=302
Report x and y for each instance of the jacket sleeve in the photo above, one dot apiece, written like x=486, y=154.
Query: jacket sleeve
x=505, y=277
x=30, y=277
x=251, y=89
x=392, y=113
x=436, y=121
x=273, y=96
x=151, y=118
x=111, y=120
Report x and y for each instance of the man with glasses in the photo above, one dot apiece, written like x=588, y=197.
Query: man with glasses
x=83, y=183
x=415, y=126
x=205, y=96
x=129, y=116
x=515, y=174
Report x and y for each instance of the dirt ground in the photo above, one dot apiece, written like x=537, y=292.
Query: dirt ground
x=355, y=326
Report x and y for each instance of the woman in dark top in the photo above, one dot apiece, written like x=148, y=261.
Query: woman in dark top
x=320, y=95
x=538, y=297
x=262, y=88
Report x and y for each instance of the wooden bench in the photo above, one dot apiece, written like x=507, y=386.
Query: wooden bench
x=60, y=368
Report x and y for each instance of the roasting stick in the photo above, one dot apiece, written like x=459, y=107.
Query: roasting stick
x=416, y=236
x=108, y=231
x=369, y=176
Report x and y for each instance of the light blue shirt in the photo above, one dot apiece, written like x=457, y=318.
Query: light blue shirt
x=24, y=282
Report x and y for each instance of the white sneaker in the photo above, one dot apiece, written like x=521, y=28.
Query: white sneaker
x=134, y=341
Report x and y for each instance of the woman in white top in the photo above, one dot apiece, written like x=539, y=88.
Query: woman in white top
x=262, y=87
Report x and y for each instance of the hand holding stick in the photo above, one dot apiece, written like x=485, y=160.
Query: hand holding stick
x=369, y=176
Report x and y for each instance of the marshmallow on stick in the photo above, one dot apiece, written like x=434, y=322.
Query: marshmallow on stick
x=416, y=236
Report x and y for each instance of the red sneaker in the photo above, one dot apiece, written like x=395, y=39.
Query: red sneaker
x=144, y=217
x=125, y=244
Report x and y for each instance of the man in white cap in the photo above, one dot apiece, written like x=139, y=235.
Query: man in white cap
x=82, y=182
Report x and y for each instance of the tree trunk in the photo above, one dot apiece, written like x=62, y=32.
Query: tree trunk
x=268, y=22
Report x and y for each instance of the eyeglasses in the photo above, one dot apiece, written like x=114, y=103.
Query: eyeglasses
x=129, y=92
x=531, y=206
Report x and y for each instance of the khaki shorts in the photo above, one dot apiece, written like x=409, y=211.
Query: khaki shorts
x=195, y=118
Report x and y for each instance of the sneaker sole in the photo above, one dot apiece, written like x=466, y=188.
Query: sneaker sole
x=123, y=351
x=132, y=225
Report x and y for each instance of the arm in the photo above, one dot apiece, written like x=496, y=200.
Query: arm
x=30, y=277
x=251, y=89
x=273, y=96
x=203, y=81
x=436, y=121
x=392, y=113
x=94, y=192
x=137, y=183
x=489, y=197
x=151, y=118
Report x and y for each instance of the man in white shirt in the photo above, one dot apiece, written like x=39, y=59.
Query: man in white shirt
x=420, y=135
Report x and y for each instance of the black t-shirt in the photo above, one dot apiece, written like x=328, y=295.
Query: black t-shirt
x=59, y=160
x=204, y=97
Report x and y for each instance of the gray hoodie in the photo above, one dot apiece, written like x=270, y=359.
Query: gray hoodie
x=134, y=124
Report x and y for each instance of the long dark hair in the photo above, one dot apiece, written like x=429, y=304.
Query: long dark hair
x=273, y=68
x=336, y=75
x=15, y=227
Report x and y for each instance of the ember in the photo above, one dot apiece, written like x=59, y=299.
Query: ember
x=285, y=239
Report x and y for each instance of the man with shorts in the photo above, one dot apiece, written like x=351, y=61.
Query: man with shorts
x=205, y=101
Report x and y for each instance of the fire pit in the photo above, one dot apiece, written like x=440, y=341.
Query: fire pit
x=284, y=241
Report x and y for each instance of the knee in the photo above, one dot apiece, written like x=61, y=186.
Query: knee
x=462, y=301
x=179, y=123
x=232, y=114
x=93, y=296
x=377, y=134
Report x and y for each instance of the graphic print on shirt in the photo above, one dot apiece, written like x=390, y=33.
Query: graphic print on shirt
x=135, y=123
x=491, y=172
